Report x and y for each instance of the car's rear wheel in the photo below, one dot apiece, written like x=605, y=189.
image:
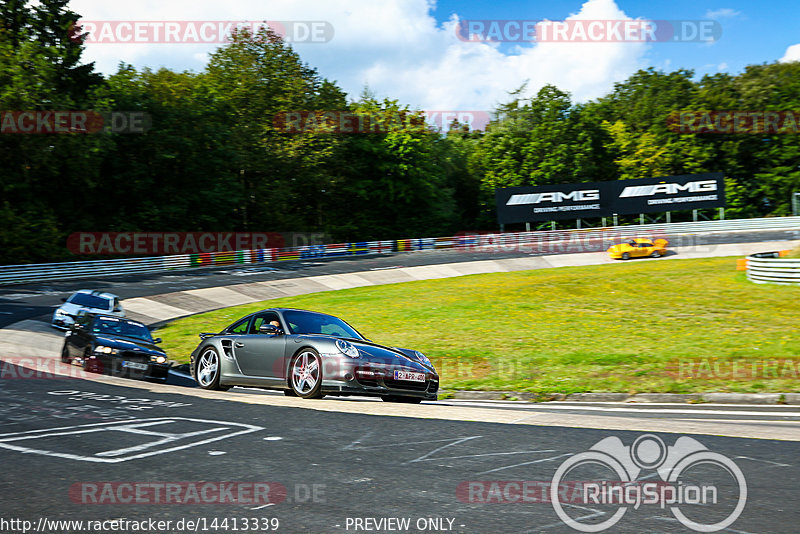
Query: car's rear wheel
x=65, y=355
x=305, y=374
x=398, y=398
x=208, y=370
x=655, y=254
x=625, y=256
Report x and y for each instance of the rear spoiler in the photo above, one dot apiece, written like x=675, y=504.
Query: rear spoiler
x=204, y=335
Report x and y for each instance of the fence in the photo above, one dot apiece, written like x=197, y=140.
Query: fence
x=770, y=268
x=16, y=274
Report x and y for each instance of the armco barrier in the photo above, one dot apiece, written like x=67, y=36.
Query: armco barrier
x=546, y=240
x=770, y=268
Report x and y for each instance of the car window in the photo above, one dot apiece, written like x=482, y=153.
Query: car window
x=645, y=245
x=302, y=322
x=261, y=319
x=90, y=301
x=118, y=327
x=240, y=327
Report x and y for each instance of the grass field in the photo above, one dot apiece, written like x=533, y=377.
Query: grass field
x=681, y=326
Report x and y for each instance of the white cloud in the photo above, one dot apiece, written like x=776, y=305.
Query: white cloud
x=722, y=13
x=394, y=46
x=792, y=54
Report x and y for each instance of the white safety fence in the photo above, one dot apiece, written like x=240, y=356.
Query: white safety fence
x=543, y=241
x=773, y=270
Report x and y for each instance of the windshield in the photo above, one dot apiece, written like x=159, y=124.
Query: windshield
x=117, y=327
x=301, y=322
x=90, y=301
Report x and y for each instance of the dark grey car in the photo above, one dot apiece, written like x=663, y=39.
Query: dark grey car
x=310, y=355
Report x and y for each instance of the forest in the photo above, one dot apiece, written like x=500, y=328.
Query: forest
x=215, y=158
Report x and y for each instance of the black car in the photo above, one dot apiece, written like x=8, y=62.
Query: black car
x=106, y=344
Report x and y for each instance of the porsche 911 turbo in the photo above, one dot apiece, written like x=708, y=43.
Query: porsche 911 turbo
x=310, y=355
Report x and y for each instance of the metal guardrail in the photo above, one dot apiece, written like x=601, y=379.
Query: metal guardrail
x=771, y=268
x=554, y=241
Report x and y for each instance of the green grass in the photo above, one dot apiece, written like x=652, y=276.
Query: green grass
x=638, y=326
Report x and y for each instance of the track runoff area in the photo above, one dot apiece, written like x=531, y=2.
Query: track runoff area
x=128, y=456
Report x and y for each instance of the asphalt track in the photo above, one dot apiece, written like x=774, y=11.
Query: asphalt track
x=351, y=465
x=333, y=466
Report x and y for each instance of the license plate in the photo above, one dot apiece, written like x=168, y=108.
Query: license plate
x=135, y=365
x=409, y=376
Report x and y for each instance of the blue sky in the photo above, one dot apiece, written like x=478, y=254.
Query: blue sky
x=753, y=32
x=408, y=49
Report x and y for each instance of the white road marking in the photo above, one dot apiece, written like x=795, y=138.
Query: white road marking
x=484, y=454
x=630, y=409
x=263, y=506
x=760, y=460
x=526, y=463
x=131, y=427
x=455, y=441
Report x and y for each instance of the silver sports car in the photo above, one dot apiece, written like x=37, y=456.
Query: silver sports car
x=310, y=355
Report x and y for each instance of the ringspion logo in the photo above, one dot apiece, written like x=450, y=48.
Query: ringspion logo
x=675, y=465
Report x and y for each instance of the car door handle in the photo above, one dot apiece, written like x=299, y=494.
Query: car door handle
x=238, y=344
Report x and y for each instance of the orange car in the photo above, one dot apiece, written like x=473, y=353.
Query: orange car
x=638, y=248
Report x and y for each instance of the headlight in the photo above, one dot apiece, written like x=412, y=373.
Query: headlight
x=424, y=359
x=60, y=313
x=105, y=350
x=158, y=359
x=348, y=349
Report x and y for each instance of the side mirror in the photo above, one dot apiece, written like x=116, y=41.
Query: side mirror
x=118, y=309
x=157, y=340
x=269, y=329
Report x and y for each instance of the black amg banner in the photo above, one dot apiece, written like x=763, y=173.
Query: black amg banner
x=602, y=199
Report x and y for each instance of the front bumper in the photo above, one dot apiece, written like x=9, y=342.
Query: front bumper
x=357, y=377
x=114, y=365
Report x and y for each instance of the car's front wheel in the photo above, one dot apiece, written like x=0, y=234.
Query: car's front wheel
x=208, y=370
x=306, y=374
x=626, y=256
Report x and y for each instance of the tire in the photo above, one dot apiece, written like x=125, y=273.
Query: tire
x=207, y=370
x=655, y=254
x=305, y=374
x=406, y=400
x=625, y=256
x=65, y=358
